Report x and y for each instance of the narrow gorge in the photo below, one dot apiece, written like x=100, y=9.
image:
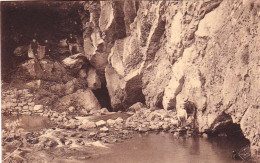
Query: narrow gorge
x=138, y=65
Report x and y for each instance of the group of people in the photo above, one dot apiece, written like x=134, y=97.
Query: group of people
x=71, y=41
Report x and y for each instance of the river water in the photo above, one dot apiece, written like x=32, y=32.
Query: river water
x=153, y=147
x=167, y=148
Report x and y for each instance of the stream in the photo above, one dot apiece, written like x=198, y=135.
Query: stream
x=167, y=148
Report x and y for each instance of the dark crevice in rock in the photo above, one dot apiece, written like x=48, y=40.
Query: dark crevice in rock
x=137, y=5
x=103, y=97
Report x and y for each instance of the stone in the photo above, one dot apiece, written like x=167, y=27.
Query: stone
x=83, y=73
x=84, y=98
x=101, y=123
x=87, y=125
x=21, y=51
x=59, y=119
x=93, y=79
x=70, y=87
x=55, y=115
x=74, y=62
x=110, y=122
x=35, y=84
x=174, y=122
x=135, y=107
x=26, y=107
x=104, y=111
x=104, y=129
x=92, y=134
x=68, y=142
x=123, y=91
x=31, y=103
x=102, y=134
x=71, y=109
x=46, y=65
x=119, y=120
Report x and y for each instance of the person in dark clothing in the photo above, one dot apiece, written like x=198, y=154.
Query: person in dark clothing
x=47, y=47
x=34, y=46
x=35, y=36
x=37, y=65
x=71, y=41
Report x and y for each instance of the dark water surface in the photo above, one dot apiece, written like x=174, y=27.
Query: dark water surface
x=166, y=148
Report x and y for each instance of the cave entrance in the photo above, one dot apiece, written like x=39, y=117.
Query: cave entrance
x=103, y=97
x=224, y=126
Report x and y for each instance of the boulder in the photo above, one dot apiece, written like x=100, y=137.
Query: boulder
x=46, y=67
x=74, y=62
x=70, y=86
x=21, y=50
x=82, y=98
x=87, y=125
x=137, y=106
x=93, y=79
x=123, y=91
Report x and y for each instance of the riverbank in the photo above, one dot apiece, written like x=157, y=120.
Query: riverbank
x=51, y=132
x=108, y=137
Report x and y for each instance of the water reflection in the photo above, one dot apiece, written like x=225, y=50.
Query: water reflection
x=166, y=148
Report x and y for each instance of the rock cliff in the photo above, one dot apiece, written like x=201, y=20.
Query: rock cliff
x=203, y=55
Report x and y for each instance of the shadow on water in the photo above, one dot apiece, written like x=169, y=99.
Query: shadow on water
x=166, y=148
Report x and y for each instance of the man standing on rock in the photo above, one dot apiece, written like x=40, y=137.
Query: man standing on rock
x=37, y=66
x=72, y=42
x=34, y=46
x=47, y=48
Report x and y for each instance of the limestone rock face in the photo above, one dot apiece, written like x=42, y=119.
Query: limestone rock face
x=202, y=55
x=250, y=125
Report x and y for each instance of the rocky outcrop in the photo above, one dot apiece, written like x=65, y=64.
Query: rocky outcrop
x=81, y=99
x=199, y=55
x=250, y=126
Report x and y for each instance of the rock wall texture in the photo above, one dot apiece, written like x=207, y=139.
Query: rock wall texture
x=170, y=53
